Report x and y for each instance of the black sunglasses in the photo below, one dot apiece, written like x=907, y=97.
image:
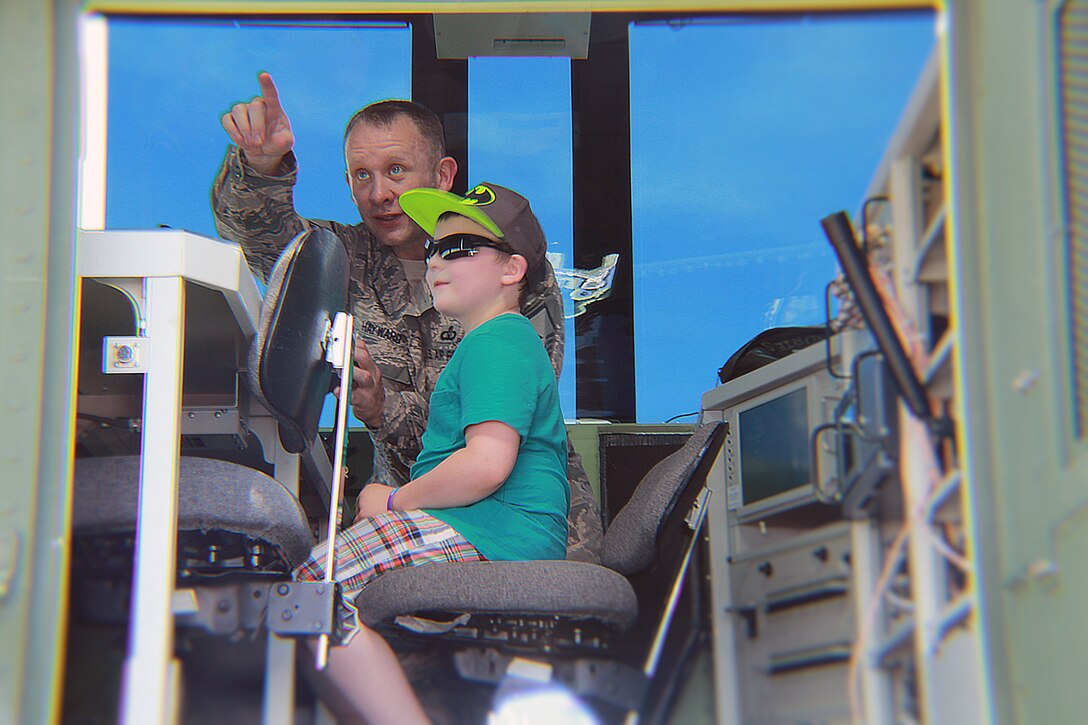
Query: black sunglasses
x=456, y=246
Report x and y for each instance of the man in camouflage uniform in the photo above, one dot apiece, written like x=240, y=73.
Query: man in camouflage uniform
x=402, y=342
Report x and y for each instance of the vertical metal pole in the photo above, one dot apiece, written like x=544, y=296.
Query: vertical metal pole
x=654, y=656
x=278, y=703
x=875, y=686
x=726, y=672
x=149, y=692
x=344, y=346
x=927, y=570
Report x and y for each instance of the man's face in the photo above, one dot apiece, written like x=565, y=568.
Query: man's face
x=383, y=162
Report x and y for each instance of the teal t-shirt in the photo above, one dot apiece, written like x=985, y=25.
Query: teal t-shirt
x=501, y=372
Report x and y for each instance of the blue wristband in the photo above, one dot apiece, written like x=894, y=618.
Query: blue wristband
x=389, y=501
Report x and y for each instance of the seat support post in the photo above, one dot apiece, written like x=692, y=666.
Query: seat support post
x=278, y=706
x=340, y=352
x=149, y=693
x=695, y=518
x=278, y=697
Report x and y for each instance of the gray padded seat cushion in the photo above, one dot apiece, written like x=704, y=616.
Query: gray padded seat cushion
x=630, y=543
x=568, y=588
x=212, y=495
x=565, y=588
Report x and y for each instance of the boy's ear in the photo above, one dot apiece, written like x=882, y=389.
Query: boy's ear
x=516, y=268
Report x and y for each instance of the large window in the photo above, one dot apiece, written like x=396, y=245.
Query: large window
x=171, y=80
x=744, y=134
x=520, y=137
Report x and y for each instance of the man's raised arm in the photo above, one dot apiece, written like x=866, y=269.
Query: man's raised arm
x=261, y=128
x=252, y=197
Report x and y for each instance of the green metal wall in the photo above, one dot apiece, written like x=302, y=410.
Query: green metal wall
x=1027, y=469
x=38, y=126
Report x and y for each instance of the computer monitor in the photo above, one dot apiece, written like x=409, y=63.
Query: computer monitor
x=771, y=464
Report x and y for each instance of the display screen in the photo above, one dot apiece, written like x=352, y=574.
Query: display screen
x=774, y=446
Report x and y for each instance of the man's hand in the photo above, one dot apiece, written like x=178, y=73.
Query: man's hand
x=367, y=392
x=372, y=501
x=261, y=128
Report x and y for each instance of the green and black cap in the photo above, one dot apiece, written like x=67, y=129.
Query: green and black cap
x=503, y=212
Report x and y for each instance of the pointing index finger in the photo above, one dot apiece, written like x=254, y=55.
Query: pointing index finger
x=268, y=89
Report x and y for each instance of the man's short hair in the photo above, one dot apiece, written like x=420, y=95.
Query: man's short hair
x=385, y=114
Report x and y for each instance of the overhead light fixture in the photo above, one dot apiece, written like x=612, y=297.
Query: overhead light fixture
x=466, y=35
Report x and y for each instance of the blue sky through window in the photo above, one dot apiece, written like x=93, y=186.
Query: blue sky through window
x=520, y=136
x=744, y=135
x=171, y=80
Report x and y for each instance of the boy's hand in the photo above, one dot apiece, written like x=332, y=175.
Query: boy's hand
x=372, y=501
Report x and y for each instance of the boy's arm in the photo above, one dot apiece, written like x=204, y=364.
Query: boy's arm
x=465, y=477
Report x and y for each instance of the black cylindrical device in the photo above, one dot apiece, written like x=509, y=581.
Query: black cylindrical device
x=840, y=233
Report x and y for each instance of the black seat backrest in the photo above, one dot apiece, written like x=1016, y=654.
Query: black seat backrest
x=287, y=368
x=649, y=539
x=632, y=541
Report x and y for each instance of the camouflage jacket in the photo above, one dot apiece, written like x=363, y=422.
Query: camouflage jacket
x=410, y=341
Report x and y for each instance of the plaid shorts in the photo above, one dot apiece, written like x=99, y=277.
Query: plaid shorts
x=387, y=541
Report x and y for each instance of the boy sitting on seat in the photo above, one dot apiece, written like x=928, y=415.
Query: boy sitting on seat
x=490, y=482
